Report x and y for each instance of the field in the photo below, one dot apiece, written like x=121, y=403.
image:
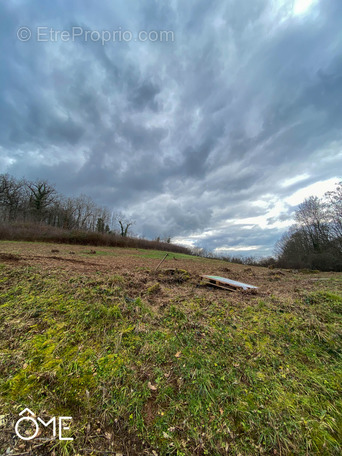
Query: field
x=153, y=362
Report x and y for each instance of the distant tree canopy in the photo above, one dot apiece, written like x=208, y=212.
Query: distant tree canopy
x=39, y=201
x=315, y=241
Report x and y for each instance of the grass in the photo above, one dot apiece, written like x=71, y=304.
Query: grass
x=157, y=254
x=191, y=376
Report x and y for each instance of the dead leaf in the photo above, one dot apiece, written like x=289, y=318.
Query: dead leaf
x=108, y=435
x=151, y=387
x=177, y=355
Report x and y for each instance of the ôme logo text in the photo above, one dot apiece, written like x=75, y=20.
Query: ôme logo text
x=36, y=421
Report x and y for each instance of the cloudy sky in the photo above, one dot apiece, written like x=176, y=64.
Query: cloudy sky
x=211, y=134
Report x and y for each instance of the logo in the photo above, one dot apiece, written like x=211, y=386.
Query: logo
x=55, y=421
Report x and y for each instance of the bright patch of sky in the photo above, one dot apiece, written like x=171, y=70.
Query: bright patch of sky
x=317, y=189
x=302, y=6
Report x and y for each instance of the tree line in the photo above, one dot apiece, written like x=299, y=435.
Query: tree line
x=38, y=201
x=315, y=240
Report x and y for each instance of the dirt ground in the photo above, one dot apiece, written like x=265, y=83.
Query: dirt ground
x=138, y=267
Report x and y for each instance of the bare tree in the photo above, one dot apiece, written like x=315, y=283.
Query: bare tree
x=84, y=212
x=41, y=196
x=334, y=199
x=316, y=240
x=68, y=214
x=312, y=217
x=124, y=227
x=124, y=222
x=292, y=249
x=12, y=197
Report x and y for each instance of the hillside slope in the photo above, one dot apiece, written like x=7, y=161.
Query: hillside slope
x=154, y=362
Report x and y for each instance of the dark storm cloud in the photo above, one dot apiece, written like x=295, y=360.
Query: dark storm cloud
x=194, y=138
x=143, y=96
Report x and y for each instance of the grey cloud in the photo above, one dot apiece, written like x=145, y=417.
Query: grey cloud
x=185, y=135
x=144, y=96
x=141, y=137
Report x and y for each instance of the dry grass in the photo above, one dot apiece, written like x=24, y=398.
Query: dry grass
x=32, y=232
